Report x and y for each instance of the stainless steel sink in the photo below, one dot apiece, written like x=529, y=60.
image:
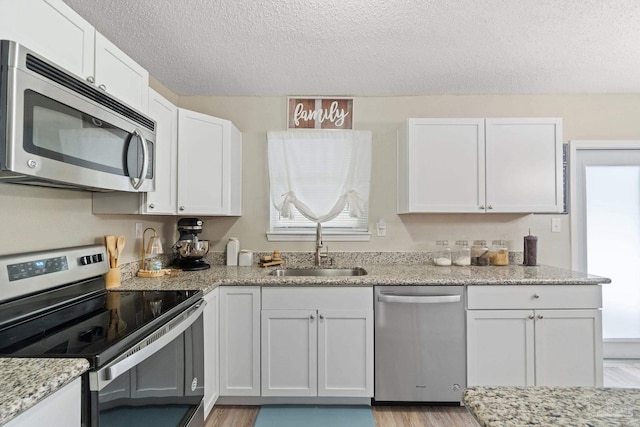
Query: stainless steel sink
x=320, y=272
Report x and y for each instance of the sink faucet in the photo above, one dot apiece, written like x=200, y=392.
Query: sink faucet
x=319, y=246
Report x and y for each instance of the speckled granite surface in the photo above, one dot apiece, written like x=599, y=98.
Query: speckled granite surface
x=553, y=406
x=378, y=274
x=25, y=382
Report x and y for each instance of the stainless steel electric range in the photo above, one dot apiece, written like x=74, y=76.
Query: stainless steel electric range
x=145, y=348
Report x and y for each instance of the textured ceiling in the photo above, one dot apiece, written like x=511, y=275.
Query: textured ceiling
x=377, y=47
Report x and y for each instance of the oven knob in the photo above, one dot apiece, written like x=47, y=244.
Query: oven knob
x=94, y=258
x=85, y=260
x=100, y=259
x=194, y=384
x=32, y=163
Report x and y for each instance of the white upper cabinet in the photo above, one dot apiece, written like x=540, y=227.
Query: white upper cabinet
x=480, y=165
x=209, y=165
x=51, y=29
x=56, y=32
x=119, y=75
x=164, y=200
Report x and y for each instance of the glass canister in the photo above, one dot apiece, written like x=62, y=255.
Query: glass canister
x=479, y=253
x=442, y=255
x=499, y=253
x=462, y=253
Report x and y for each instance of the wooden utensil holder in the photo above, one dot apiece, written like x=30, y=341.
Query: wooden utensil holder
x=112, y=278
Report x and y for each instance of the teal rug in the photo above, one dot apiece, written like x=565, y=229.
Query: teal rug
x=314, y=416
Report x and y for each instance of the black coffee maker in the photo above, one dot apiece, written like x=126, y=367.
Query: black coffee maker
x=189, y=249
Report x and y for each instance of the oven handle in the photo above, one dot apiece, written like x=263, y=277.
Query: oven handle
x=418, y=299
x=149, y=346
x=145, y=156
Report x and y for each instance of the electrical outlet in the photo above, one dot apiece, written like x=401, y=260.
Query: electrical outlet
x=138, y=230
x=381, y=227
x=555, y=225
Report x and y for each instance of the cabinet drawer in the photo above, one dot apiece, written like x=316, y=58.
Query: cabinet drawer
x=534, y=297
x=298, y=298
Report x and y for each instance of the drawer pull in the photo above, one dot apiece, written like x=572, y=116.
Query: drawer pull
x=312, y=317
x=531, y=316
x=540, y=316
x=536, y=296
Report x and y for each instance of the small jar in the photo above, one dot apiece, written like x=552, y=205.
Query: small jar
x=499, y=253
x=462, y=253
x=442, y=255
x=245, y=259
x=479, y=253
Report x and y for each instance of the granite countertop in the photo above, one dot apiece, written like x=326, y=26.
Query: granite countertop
x=553, y=406
x=379, y=274
x=25, y=382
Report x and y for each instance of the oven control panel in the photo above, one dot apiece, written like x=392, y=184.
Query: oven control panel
x=24, y=270
x=32, y=272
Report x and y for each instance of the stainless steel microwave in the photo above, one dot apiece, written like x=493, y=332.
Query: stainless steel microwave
x=57, y=130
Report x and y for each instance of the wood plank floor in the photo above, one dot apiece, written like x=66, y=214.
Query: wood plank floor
x=616, y=374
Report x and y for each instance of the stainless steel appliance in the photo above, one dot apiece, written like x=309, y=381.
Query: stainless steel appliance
x=145, y=348
x=57, y=130
x=420, y=353
x=189, y=248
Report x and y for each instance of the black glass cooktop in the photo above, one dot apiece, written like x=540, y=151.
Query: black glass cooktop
x=96, y=327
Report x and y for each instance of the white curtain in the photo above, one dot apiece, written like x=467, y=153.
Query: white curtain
x=319, y=172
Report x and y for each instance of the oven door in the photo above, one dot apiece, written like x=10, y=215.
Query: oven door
x=159, y=382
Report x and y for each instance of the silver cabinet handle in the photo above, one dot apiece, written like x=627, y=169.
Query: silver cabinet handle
x=540, y=316
x=91, y=79
x=490, y=207
x=151, y=206
x=531, y=316
x=181, y=208
x=321, y=316
x=536, y=296
x=312, y=317
x=481, y=207
x=418, y=299
x=102, y=88
x=145, y=165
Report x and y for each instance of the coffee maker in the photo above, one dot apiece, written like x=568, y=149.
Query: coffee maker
x=189, y=249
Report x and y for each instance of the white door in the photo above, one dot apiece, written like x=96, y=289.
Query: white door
x=289, y=352
x=500, y=347
x=240, y=341
x=566, y=349
x=345, y=353
x=605, y=209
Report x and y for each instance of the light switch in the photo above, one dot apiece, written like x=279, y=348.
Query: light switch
x=555, y=225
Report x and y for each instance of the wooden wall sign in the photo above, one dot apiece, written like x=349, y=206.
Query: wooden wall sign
x=320, y=113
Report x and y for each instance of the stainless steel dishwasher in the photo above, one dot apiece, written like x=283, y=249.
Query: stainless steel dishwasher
x=420, y=352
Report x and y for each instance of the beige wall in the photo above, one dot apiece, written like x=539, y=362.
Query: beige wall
x=40, y=218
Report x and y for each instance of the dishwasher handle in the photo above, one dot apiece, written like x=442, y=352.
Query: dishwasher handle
x=418, y=299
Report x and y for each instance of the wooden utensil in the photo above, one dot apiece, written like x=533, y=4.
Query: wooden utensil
x=111, y=249
x=119, y=248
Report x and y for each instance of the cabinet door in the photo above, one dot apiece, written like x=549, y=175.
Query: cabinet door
x=524, y=165
x=568, y=348
x=164, y=199
x=61, y=409
x=289, y=352
x=240, y=341
x=119, y=75
x=211, y=349
x=345, y=353
x=208, y=165
x=51, y=29
x=441, y=166
x=500, y=347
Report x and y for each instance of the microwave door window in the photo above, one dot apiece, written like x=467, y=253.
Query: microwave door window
x=59, y=132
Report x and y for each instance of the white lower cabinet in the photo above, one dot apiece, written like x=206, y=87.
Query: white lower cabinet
x=240, y=341
x=211, y=348
x=533, y=344
x=317, y=342
x=61, y=409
